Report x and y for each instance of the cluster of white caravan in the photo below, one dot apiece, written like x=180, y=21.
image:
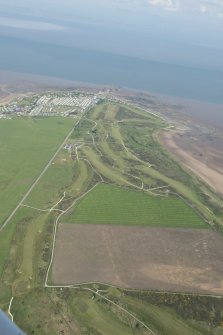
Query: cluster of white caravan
x=82, y=102
x=36, y=111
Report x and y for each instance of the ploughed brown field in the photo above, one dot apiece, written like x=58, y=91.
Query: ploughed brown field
x=167, y=259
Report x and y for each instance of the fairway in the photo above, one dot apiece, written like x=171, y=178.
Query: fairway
x=26, y=146
x=108, y=209
x=108, y=204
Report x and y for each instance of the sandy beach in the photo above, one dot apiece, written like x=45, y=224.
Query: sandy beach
x=204, y=159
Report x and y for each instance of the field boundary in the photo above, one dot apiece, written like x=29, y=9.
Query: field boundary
x=5, y=223
x=34, y=184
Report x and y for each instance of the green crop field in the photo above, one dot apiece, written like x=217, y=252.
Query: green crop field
x=107, y=204
x=26, y=145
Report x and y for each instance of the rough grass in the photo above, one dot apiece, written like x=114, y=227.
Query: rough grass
x=5, y=240
x=36, y=313
x=102, y=318
x=98, y=317
x=56, y=179
x=108, y=204
x=7, y=237
x=163, y=320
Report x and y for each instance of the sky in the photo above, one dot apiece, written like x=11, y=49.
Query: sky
x=205, y=6
x=182, y=32
x=211, y=8
x=208, y=7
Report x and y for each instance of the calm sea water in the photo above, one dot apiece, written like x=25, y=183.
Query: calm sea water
x=109, y=69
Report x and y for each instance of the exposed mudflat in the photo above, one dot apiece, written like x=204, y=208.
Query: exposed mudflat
x=202, y=153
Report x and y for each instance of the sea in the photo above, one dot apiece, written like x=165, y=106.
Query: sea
x=97, y=67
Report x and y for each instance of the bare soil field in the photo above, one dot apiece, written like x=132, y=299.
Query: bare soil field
x=167, y=259
x=200, y=153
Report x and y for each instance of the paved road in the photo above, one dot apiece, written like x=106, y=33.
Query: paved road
x=35, y=182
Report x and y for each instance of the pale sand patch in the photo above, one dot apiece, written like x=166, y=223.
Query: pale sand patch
x=212, y=177
x=6, y=96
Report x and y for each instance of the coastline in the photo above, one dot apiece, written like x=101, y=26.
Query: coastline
x=209, y=114
x=183, y=143
x=200, y=163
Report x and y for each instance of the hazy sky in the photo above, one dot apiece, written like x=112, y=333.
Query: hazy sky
x=185, y=32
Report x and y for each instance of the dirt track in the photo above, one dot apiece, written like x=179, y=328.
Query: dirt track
x=187, y=260
x=202, y=159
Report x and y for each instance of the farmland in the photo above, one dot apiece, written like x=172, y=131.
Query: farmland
x=26, y=147
x=166, y=259
x=112, y=178
x=117, y=206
